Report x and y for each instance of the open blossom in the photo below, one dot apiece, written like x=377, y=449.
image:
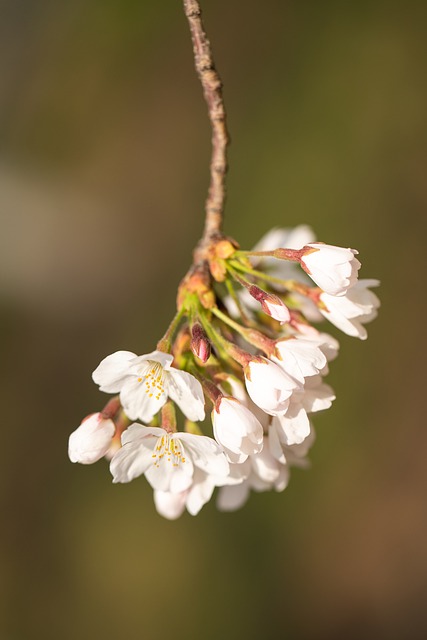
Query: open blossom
x=236, y=429
x=351, y=311
x=168, y=460
x=269, y=386
x=92, y=440
x=333, y=269
x=145, y=383
x=264, y=381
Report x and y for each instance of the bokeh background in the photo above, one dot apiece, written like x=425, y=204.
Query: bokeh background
x=104, y=151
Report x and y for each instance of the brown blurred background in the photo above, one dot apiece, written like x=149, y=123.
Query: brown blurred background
x=104, y=151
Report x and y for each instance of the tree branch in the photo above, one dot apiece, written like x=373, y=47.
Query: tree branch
x=212, y=90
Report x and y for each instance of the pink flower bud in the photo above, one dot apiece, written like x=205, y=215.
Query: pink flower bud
x=200, y=345
x=271, y=305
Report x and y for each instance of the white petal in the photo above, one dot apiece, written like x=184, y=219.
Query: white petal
x=200, y=493
x=265, y=465
x=233, y=497
x=187, y=392
x=167, y=477
x=137, y=402
x=206, y=453
x=112, y=372
x=274, y=443
x=282, y=481
x=295, y=426
x=333, y=269
x=236, y=428
x=169, y=505
x=269, y=386
x=132, y=460
x=137, y=432
x=300, y=358
x=317, y=395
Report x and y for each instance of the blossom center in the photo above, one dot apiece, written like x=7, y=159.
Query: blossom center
x=168, y=450
x=154, y=380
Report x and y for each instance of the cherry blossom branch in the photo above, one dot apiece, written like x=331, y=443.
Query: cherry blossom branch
x=212, y=90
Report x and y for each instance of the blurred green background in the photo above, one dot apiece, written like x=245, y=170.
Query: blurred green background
x=104, y=151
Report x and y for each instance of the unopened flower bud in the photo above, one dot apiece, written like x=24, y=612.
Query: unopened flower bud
x=271, y=305
x=91, y=440
x=200, y=345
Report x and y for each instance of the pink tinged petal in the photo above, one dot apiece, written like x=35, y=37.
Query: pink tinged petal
x=169, y=505
x=206, y=454
x=231, y=498
x=113, y=371
x=277, y=310
x=187, y=392
x=91, y=440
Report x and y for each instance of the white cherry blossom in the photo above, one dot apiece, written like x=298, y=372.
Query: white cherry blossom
x=333, y=269
x=236, y=429
x=145, y=383
x=92, y=440
x=268, y=385
x=351, y=311
x=168, y=460
x=299, y=357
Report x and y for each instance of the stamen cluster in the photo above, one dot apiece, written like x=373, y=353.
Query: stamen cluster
x=244, y=346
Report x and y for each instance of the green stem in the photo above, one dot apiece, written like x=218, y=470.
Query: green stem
x=165, y=343
x=290, y=285
x=231, y=323
x=237, y=302
x=252, y=336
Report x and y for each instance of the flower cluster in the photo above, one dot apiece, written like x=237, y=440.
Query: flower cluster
x=243, y=346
